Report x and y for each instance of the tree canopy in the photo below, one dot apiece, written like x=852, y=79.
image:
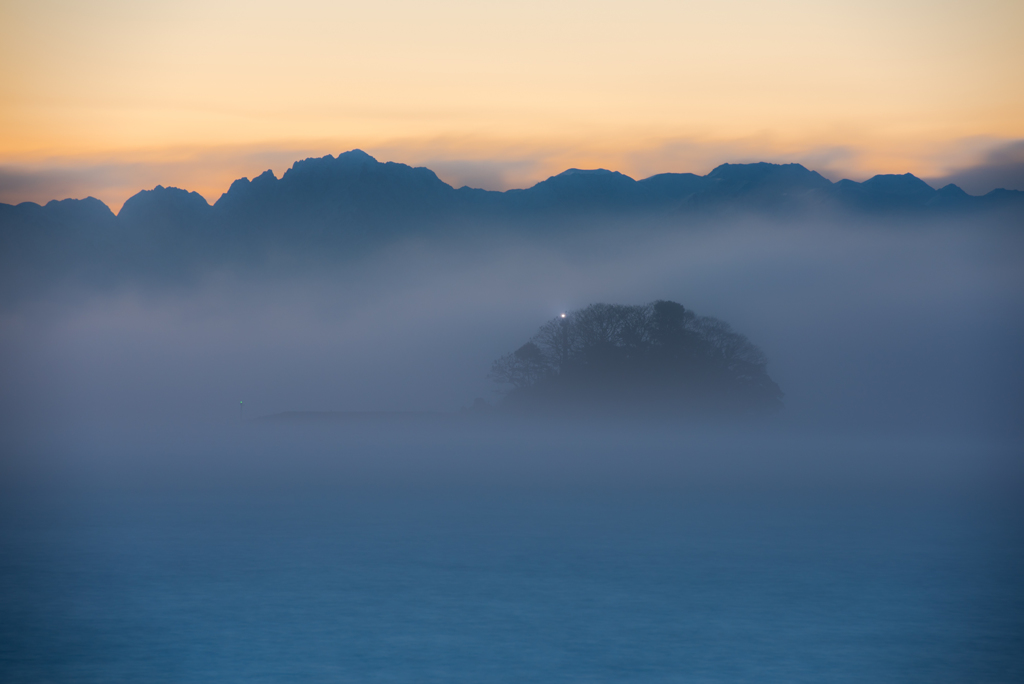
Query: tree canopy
x=656, y=357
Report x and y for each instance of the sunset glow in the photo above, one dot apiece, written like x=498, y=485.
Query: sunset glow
x=105, y=98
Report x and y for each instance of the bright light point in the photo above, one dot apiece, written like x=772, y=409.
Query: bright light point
x=563, y=315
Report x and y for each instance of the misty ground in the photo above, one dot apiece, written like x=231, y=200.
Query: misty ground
x=865, y=326
x=154, y=529
x=460, y=549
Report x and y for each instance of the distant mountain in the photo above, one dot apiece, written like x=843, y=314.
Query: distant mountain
x=164, y=209
x=355, y=191
x=331, y=205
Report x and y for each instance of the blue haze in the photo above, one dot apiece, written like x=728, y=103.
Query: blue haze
x=151, y=529
x=555, y=587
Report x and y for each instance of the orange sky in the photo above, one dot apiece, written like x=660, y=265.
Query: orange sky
x=108, y=97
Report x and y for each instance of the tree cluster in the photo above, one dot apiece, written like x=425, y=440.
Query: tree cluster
x=652, y=357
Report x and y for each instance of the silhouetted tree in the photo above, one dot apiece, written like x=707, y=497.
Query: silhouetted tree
x=524, y=367
x=653, y=356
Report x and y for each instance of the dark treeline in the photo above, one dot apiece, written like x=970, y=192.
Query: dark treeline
x=654, y=359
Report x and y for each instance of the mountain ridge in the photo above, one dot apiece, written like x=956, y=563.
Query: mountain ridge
x=332, y=206
x=356, y=180
x=329, y=210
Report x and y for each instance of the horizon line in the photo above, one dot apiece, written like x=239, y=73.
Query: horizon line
x=469, y=187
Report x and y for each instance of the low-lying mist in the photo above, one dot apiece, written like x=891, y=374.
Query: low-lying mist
x=874, y=332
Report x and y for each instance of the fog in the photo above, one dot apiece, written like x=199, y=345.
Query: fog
x=897, y=347
x=152, y=528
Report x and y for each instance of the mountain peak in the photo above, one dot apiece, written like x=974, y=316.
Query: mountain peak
x=168, y=203
x=952, y=190
x=356, y=155
x=588, y=172
x=768, y=177
x=760, y=170
x=898, y=184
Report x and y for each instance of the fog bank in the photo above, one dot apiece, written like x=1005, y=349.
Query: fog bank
x=872, y=331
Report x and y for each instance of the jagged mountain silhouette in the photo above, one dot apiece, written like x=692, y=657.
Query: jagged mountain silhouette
x=355, y=188
x=338, y=205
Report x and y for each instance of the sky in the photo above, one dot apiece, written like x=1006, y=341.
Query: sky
x=105, y=98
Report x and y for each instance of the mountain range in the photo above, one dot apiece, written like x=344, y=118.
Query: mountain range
x=332, y=203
